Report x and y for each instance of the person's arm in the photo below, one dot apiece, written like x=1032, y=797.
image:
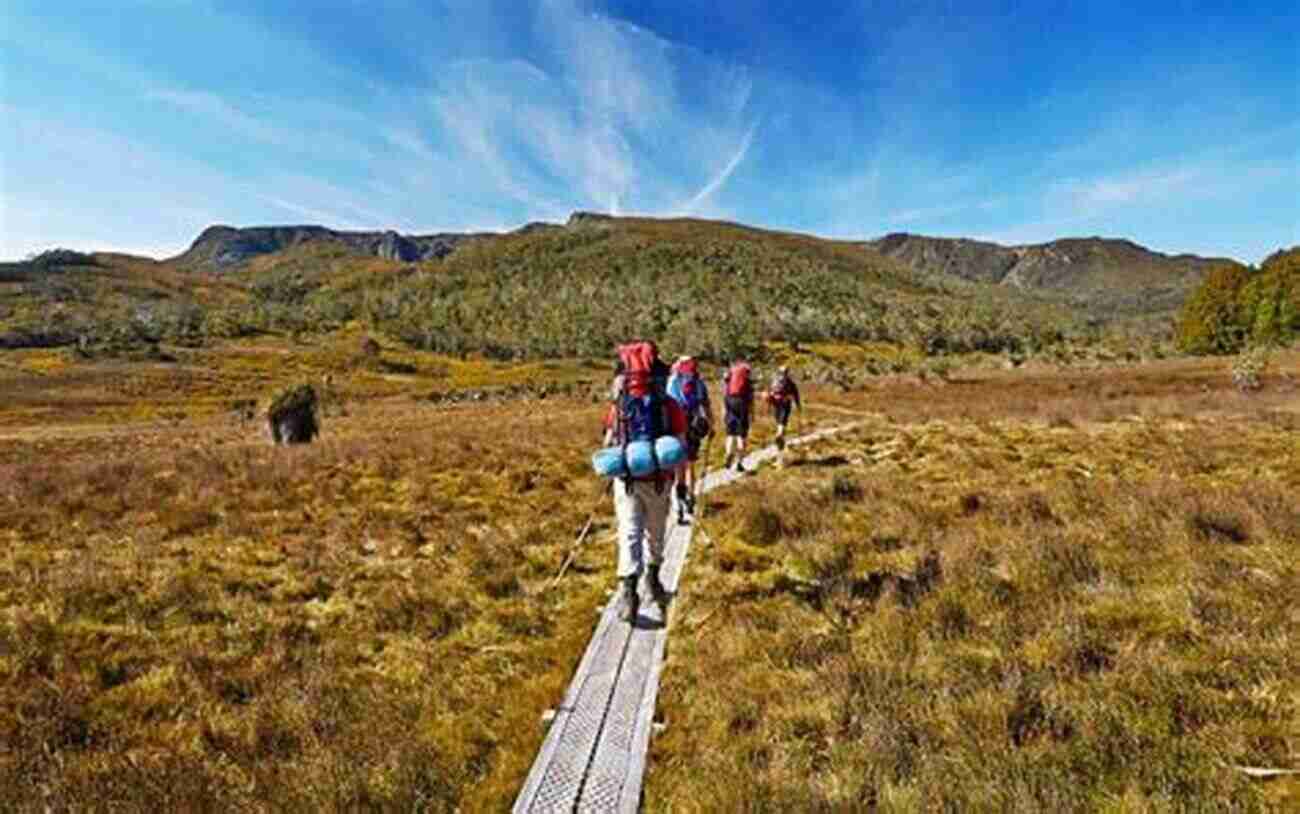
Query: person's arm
x=609, y=427
x=798, y=400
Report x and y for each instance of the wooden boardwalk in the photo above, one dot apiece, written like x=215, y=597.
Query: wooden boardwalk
x=594, y=755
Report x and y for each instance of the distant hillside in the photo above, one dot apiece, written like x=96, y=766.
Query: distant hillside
x=579, y=288
x=1103, y=276
x=1100, y=274
x=706, y=287
x=542, y=291
x=67, y=298
x=222, y=247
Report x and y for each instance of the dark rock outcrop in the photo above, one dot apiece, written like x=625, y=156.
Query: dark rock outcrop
x=1107, y=274
x=580, y=218
x=292, y=416
x=222, y=247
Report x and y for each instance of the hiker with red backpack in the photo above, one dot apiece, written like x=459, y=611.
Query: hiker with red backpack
x=687, y=388
x=643, y=425
x=738, y=402
x=782, y=398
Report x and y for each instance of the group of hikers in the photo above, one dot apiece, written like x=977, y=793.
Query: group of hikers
x=650, y=399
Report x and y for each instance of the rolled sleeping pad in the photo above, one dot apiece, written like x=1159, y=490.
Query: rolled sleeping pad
x=640, y=459
x=608, y=462
x=668, y=451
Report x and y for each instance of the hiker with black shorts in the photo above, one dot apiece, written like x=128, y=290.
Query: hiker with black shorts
x=738, y=402
x=782, y=398
x=687, y=388
x=642, y=409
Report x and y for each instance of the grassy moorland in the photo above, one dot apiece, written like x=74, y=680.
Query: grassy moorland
x=1069, y=585
x=191, y=619
x=1024, y=591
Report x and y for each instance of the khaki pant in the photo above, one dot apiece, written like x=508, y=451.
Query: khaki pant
x=642, y=519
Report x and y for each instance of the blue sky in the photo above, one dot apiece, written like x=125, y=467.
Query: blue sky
x=134, y=124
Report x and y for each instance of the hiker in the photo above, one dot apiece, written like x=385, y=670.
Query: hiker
x=642, y=411
x=687, y=388
x=782, y=398
x=738, y=402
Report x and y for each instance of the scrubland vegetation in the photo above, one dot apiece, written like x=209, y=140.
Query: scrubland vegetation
x=549, y=292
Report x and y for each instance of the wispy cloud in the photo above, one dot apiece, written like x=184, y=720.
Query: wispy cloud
x=718, y=180
x=286, y=125
x=600, y=121
x=409, y=141
x=311, y=213
x=329, y=203
x=227, y=115
x=1136, y=187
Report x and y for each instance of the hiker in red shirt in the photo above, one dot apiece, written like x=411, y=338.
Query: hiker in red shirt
x=738, y=401
x=642, y=504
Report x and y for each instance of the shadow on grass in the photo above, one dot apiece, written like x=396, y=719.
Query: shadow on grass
x=827, y=461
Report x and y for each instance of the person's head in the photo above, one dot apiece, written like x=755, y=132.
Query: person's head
x=783, y=370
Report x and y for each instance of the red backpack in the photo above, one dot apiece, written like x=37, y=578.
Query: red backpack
x=738, y=380
x=638, y=365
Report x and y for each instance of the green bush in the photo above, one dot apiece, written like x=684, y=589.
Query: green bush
x=1270, y=301
x=1211, y=320
x=1237, y=306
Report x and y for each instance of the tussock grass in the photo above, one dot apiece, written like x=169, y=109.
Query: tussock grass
x=995, y=590
x=983, y=606
x=193, y=620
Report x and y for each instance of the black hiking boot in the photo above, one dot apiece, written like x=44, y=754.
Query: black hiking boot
x=657, y=591
x=631, y=601
x=740, y=467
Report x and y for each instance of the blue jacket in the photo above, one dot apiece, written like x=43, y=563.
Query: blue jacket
x=676, y=391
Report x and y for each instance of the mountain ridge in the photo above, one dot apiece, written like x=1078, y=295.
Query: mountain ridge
x=220, y=247
x=1110, y=273
x=1058, y=264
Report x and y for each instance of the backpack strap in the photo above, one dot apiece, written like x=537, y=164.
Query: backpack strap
x=621, y=423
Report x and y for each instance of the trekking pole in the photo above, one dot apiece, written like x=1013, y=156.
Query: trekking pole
x=582, y=535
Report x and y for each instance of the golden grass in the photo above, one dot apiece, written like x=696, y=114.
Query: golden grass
x=1003, y=595
x=191, y=619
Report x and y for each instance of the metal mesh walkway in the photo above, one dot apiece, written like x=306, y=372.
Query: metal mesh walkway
x=593, y=758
